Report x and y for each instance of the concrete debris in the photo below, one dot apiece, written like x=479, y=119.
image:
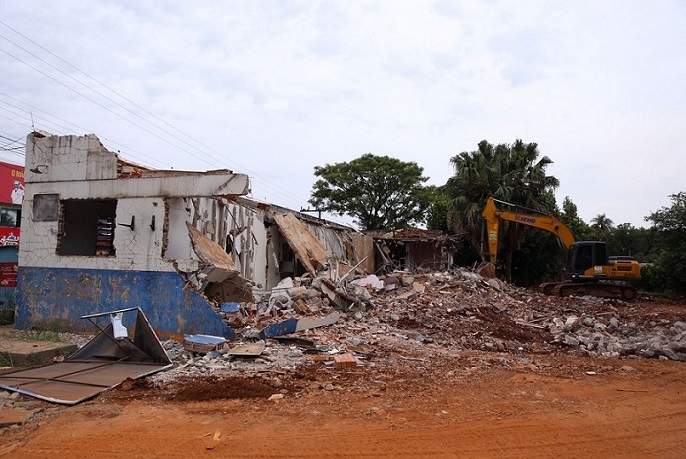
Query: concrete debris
x=247, y=350
x=609, y=337
x=455, y=309
x=370, y=281
x=215, y=274
x=203, y=344
x=421, y=316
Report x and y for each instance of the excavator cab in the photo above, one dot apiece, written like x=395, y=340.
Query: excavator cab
x=583, y=257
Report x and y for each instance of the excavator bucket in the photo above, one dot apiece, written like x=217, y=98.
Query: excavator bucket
x=486, y=269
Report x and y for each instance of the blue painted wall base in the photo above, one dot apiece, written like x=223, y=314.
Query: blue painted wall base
x=56, y=298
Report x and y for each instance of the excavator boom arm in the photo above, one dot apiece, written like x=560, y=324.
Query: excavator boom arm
x=545, y=222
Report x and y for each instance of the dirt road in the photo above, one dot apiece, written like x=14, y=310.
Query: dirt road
x=429, y=384
x=471, y=405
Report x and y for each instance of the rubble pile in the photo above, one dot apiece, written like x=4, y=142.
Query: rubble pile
x=606, y=335
x=377, y=319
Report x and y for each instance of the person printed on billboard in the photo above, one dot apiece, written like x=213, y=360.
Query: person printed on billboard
x=17, y=193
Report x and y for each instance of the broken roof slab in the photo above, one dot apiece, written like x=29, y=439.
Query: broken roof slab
x=189, y=184
x=310, y=251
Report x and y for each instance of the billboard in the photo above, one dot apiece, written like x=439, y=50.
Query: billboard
x=9, y=236
x=8, y=274
x=11, y=183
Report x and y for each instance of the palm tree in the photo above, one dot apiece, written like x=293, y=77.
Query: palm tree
x=512, y=173
x=603, y=226
x=602, y=223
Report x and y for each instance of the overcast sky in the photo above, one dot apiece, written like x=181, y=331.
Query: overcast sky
x=275, y=88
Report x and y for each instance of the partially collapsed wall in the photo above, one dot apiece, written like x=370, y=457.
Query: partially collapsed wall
x=94, y=234
x=101, y=234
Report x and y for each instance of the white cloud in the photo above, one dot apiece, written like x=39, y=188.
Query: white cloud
x=277, y=88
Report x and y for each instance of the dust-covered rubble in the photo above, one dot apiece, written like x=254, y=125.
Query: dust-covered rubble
x=606, y=335
x=405, y=315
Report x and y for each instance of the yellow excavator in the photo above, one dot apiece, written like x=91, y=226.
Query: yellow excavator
x=590, y=269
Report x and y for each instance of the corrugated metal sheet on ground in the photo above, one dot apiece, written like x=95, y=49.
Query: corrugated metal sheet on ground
x=73, y=382
x=104, y=362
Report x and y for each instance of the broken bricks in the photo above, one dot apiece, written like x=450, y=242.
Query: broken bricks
x=344, y=361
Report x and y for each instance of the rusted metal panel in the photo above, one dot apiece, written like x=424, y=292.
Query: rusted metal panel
x=102, y=363
x=72, y=382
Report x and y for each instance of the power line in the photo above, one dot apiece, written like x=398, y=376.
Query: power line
x=80, y=128
x=11, y=119
x=101, y=105
x=267, y=184
x=102, y=95
x=11, y=140
x=282, y=191
x=256, y=176
x=117, y=114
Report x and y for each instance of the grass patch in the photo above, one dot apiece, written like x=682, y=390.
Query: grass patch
x=37, y=335
x=5, y=360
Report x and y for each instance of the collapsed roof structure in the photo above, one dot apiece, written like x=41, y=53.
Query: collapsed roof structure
x=101, y=233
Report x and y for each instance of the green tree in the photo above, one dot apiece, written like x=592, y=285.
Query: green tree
x=508, y=172
x=570, y=217
x=602, y=223
x=437, y=218
x=670, y=225
x=639, y=243
x=379, y=192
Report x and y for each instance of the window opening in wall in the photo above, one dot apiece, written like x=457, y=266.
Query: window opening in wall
x=288, y=263
x=86, y=227
x=10, y=217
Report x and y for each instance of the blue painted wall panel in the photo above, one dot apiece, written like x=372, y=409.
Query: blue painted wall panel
x=8, y=254
x=58, y=297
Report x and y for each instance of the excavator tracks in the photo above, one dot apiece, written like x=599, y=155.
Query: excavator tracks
x=597, y=289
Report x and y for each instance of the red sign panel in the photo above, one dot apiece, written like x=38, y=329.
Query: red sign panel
x=9, y=236
x=11, y=183
x=8, y=274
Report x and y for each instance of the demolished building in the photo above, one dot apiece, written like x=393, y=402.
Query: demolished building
x=100, y=233
x=415, y=250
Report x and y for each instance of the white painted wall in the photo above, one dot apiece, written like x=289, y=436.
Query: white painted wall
x=179, y=244
x=216, y=217
x=79, y=167
x=140, y=249
x=68, y=158
x=137, y=250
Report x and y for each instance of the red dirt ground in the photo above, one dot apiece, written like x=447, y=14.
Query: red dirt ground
x=438, y=404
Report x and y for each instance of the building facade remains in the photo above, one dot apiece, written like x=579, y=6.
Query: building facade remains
x=101, y=233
